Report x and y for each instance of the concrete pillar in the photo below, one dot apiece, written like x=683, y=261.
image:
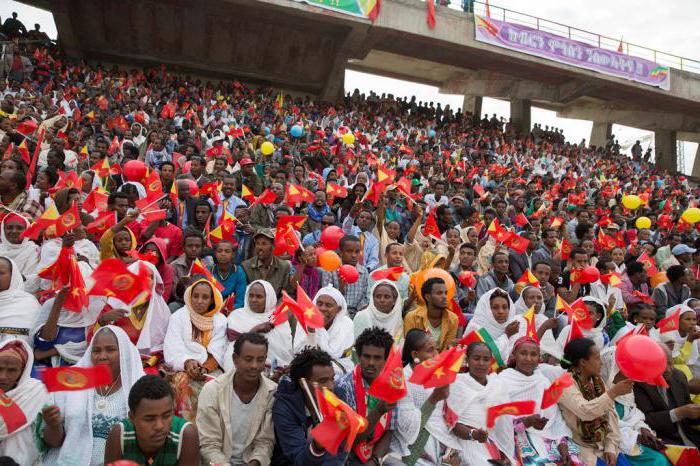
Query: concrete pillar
x=472, y=104
x=600, y=132
x=665, y=150
x=520, y=115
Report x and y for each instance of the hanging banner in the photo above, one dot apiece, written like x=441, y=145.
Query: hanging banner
x=361, y=8
x=572, y=52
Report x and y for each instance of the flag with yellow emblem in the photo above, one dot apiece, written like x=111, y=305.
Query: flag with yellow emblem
x=440, y=370
x=340, y=423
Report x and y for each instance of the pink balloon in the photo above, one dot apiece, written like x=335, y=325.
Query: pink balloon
x=331, y=236
x=641, y=358
x=348, y=274
x=134, y=170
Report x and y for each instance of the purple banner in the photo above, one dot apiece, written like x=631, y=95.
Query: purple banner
x=560, y=49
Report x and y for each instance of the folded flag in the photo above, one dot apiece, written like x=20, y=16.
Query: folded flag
x=552, y=394
x=65, y=272
x=514, y=408
x=390, y=384
x=439, y=370
x=12, y=415
x=72, y=378
x=682, y=456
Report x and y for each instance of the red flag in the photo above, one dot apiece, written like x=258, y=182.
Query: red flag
x=552, y=394
x=286, y=241
x=670, y=323
x=565, y=249
x=335, y=190
x=174, y=194
x=24, y=152
x=431, y=227
x=45, y=220
x=154, y=186
x=247, y=194
x=620, y=46
x=467, y=278
x=35, y=159
x=293, y=221
x=296, y=194
x=521, y=220
x=268, y=197
x=529, y=279
x=113, y=279
x=226, y=231
x=497, y=231
x=72, y=378
x=101, y=168
x=574, y=332
x=431, y=14
x=211, y=190
x=648, y=264
x=339, y=423
x=104, y=222
x=69, y=221
x=449, y=416
x=514, y=408
x=27, y=127
x=8, y=152
x=11, y=414
x=198, y=268
x=391, y=273
x=96, y=200
x=517, y=243
x=390, y=384
x=309, y=316
x=643, y=297
x=531, y=325
x=439, y=370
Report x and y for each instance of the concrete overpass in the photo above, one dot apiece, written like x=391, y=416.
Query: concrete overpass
x=305, y=48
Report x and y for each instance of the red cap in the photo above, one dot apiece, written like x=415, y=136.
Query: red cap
x=245, y=161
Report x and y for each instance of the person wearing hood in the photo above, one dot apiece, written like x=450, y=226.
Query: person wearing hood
x=293, y=412
x=495, y=313
x=156, y=250
x=18, y=309
x=164, y=231
x=384, y=310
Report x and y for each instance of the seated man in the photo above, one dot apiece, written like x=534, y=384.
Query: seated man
x=293, y=414
x=153, y=435
x=234, y=416
x=386, y=421
x=669, y=411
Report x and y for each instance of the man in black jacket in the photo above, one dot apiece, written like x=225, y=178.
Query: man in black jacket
x=293, y=415
x=669, y=411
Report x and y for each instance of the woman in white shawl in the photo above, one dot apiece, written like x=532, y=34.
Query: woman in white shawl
x=543, y=436
x=495, y=313
x=686, y=341
x=28, y=394
x=19, y=310
x=85, y=250
x=23, y=251
x=259, y=304
x=384, y=310
x=531, y=296
x=470, y=396
x=336, y=336
x=195, y=344
x=75, y=426
x=597, y=309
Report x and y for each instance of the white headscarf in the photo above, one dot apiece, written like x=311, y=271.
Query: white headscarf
x=25, y=254
x=369, y=317
x=76, y=406
x=242, y=320
x=139, y=188
x=30, y=395
x=597, y=333
x=521, y=308
x=18, y=309
x=337, y=339
x=483, y=316
x=678, y=340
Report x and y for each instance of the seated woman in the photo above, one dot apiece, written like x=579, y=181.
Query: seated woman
x=74, y=427
x=23, y=251
x=589, y=409
x=28, y=394
x=542, y=437
x=18, y=309
x=336, y=337
x=597, y=309
x=384, y=310
x=685, y=341
x=532, y=297
x=470, y=396
x=145, y=320
x=230, y=275
x=157, y=246
x=495, y=313
x=119, y=239
x=259, y=304
x=195, y=344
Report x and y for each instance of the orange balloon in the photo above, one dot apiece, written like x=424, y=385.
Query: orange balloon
x=329, y=261
x=437, y=273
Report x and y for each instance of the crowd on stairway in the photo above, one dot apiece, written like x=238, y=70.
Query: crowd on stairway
x=198, y=272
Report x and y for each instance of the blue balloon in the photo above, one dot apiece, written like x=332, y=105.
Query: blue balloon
x=296, y=131
x=431, y=133
x=267, y=130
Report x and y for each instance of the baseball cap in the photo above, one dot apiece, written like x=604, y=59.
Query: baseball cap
x=267, y=232
x=682, y=249
x=245, y=161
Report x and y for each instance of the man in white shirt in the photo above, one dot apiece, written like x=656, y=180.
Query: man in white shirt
x=437, y=197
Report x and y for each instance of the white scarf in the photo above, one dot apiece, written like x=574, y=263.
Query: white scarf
x=679, y=341
x=369, y=317
x=279, y=338
x=76, y=406
x=547, y=343
x=337, y=339
x=596, y=333
x=483, y=316
x=179, y=346
x=30, y=396
x=18, y=309
x=25, y=254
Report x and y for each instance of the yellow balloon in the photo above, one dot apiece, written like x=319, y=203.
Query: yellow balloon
x=691, y=215
x=643, y=223
x=349, y=138
x=631, y=201
x=267, y=148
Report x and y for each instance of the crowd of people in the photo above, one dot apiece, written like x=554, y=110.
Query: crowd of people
x=171, y=228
